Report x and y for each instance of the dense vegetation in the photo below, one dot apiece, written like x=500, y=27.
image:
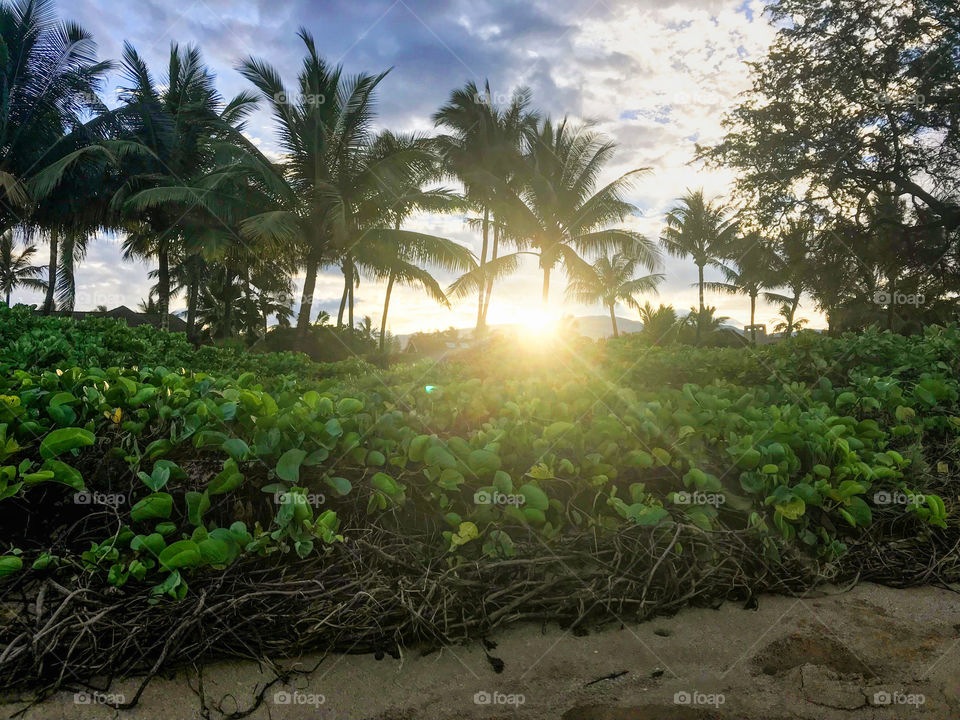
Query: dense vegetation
x=155, y=476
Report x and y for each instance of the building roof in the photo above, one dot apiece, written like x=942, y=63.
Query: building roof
x=131, y=317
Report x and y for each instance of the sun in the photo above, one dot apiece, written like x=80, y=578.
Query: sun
x=537, y=323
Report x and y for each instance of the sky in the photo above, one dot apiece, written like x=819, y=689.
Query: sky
x=654, y=75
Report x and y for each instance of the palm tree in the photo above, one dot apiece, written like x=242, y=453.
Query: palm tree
x=753, y=272
x=324, y=126
x=659, y=324
x=791, y=265
x=15, y=268
x=705, y=322
x=557, y=214
x=484, y=142
x=700, y=230
x=611, y=280
x=185, y=123
x=789, y=325
x=49, y=76
x=398, y=256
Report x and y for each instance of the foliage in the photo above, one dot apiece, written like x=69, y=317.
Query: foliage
x=787, y=443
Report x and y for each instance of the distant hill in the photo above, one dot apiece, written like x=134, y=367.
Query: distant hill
x=591, y=326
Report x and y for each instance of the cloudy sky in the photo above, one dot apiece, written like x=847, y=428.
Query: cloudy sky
x=655, y=75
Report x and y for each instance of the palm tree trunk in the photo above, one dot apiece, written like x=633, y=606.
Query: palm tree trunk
x=306, y=298
x=493, y=256
x=546, y=286
x=753, y=315
x=700, y=285
x=613, y=319
x=51, y=272
x=793, y=312
x=483, y=263
x=227, y=329
x=163, y=284
x=350, y=297
x=8, y=297
x=343, y=297
x=386, y=307
x=891, y=291
x=193, y=291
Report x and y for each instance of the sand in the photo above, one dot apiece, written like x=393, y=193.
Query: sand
x=869, y=653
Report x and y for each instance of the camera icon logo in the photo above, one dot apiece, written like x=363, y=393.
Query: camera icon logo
x=882, y=497
x=682, y=498
x=81, y=698
x=482, y=498
x=682, y=698
x=82, y=498
x=282, y=698
x=881, y=298
x=882, y=697
x=482, y=698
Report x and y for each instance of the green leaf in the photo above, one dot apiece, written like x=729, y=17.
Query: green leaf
x=288, y=466
x=236, y=448
x=418, y=446
x=9, y=564
x=230, y=478
x=793, y=509
x=181, y=554
x=157, y=506
x=65, y=474
x=349, y=406
x=534, y=497
x=484, y=461
x=64, y=439
x=197, y=505
x=341, y=486
x=385, y=483
x=214, y=551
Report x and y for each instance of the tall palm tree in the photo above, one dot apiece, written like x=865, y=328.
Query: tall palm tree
x=611, y=280
x=400, y=257
x=484, y=142
x=49, y=77
x=557, y=214
x=791, y=266
x=702, y=230
x=15, y=268
x=184, y=122
x=750, y=271
x=323, y=126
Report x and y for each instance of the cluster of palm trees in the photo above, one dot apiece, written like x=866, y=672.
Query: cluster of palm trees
x=228, y=228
